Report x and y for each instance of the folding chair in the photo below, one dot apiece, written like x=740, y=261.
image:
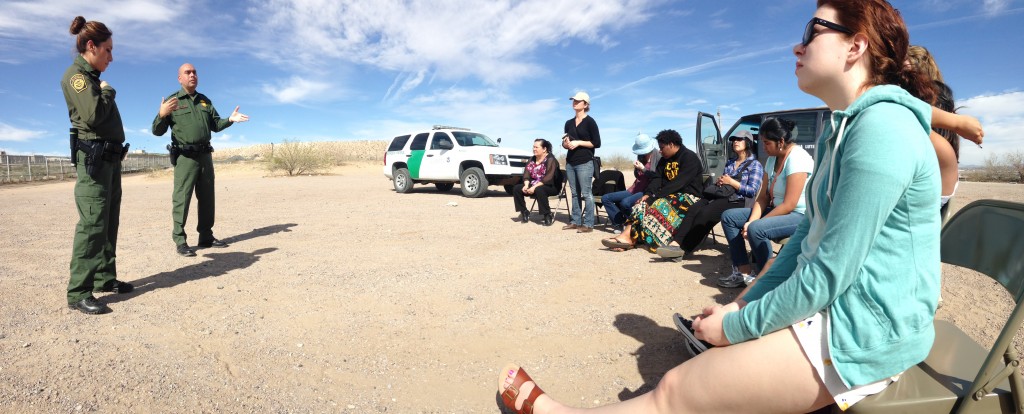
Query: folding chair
x=560, y=182
x=944, y=211
x=986, y=236
x=608, y=181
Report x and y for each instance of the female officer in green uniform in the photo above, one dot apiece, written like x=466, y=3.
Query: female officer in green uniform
x=96, y=138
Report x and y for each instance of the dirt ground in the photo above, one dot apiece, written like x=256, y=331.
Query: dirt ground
x=339, y=295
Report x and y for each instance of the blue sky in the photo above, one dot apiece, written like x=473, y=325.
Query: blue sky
x=311, y=70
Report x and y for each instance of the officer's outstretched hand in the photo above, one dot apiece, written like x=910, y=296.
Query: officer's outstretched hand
x=168, y=106
x=238, y=116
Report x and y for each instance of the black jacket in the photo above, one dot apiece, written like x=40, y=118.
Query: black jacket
x=680, y=173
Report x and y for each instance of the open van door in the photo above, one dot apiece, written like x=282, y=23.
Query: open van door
x=710, y=148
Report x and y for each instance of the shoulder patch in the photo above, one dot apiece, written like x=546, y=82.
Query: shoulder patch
x=77, y=82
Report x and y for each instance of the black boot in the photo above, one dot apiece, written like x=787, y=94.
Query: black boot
x=524, y=217
x=549, y=219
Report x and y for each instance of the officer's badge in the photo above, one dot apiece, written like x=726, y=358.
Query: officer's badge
x=77, y=82
x=203, y=103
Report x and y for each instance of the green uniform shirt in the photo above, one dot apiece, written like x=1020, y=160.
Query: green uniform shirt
x=92, y=109
x=192, y=121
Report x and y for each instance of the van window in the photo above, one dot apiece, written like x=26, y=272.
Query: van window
x=398, y=143
x=806, y=126
x=751, y=124
x=420, y=142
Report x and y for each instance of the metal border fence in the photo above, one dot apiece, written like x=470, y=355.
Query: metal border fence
x=26, y=168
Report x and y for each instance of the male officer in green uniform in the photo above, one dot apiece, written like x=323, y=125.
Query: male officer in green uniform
x=191, y=117
x=96, y=137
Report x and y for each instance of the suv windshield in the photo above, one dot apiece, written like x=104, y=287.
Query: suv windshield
x=473, y=139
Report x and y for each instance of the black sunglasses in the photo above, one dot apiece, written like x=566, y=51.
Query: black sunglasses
x=809, y=29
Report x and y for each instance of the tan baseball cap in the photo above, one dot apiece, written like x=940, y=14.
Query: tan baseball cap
x=581, y=96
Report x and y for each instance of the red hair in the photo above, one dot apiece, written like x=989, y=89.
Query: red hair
x=888, y=42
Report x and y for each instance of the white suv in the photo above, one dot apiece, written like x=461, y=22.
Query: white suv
x=446, y=155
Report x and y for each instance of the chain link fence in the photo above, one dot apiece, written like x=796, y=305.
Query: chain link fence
x=25, y=168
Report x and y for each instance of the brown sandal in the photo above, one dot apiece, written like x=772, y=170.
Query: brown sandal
x=510, y=393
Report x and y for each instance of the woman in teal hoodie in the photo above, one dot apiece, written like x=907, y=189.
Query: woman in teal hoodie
x=849, y=301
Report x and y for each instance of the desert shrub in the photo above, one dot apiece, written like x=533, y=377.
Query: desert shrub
x=296, y=158
x=617, y=161
x=1008, y=167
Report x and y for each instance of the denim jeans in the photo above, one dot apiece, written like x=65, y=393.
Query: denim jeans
x=760, y=234
x=619, y=204
x=581, y=190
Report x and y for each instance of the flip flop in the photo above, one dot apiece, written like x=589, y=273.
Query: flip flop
x=510, y=393
x=612, y=243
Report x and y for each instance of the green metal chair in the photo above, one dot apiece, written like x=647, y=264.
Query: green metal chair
x=959, y=376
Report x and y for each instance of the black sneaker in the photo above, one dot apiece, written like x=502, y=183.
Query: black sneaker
x=693, y=345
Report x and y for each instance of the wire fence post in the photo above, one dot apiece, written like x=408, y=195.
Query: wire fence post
x=28, y=162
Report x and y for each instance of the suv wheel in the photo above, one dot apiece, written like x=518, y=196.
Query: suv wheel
x=402, y=181
x=444, y=187
x=473, y=182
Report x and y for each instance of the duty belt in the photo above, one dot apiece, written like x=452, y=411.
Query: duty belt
x=197, y=148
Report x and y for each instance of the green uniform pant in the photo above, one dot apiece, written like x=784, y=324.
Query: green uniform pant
x=93, y=257
x=193, y=174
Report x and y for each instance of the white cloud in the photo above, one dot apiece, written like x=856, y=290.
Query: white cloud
x=297, y=90
x=11, y=133
x=143, y=28
x=493, y=43
x=489, y=111
x=995, y=6
x=698, y=68
x=1001, y=116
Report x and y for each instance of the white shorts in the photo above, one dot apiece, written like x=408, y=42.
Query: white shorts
x=812, y=333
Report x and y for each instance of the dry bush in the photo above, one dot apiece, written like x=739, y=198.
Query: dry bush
x=335, y=152
x=617, y=161
x=1007, y=168
x=297, y=158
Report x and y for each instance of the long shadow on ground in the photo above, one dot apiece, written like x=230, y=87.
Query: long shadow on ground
x=260, y=232
x=662, y=350
x=218, y=264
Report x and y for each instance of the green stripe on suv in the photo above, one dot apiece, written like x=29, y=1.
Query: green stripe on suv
x=414, y=163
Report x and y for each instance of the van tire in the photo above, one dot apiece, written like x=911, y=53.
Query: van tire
x=444, y=187
x=402, y=181
x=473, y=182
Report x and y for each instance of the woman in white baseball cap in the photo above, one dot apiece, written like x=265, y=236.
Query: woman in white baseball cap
x=581, y=139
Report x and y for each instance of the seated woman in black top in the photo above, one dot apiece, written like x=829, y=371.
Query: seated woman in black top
x=667, y=200
x=538, y=182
